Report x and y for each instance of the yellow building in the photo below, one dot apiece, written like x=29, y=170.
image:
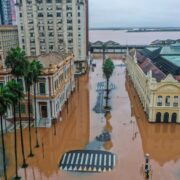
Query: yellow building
x=8, y=40
x=158, y=88
x=54, y=87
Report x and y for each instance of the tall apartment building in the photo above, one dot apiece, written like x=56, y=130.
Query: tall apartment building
x=6, y=12
x=53, y=26
x=8, y=40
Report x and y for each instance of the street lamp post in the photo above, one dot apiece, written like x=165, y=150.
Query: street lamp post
x=147, y=166
x=67, y=100
x=104, y=52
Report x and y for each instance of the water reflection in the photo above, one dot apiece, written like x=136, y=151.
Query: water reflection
x=69, y=134
x=108, y=145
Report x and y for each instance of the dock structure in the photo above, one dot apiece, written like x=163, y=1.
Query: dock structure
x=88, y=161
x=112, y=47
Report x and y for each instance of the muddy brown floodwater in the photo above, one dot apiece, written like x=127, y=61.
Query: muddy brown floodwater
x=132, y=136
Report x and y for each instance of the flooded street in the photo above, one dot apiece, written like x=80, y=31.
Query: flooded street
x=132, y=136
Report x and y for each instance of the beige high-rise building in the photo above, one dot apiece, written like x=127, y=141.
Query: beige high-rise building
x=53, y=26
x=8, y=40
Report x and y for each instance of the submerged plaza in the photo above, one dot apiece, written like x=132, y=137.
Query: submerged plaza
x=86, y=104
x=131, y=135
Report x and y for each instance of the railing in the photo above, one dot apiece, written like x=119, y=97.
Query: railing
x=175, y=104
x=167, y=104
x=159, y=104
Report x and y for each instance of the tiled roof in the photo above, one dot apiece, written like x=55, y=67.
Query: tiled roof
x=147, y=65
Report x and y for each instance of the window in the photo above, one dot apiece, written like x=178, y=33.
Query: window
x=31, y=109
x=58, y=14
x=1, y=84
x=167, y=101
x=175, y=103
x=23, y=108
x=42, y=88
x=159, y=101
x=49, y=1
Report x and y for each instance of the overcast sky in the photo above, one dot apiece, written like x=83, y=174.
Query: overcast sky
x=125, y=13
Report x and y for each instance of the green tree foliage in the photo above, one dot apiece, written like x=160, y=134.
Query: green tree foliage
x=16, y=60
x=108, y=68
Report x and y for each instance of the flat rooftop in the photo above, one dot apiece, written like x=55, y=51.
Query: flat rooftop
x=173, y=59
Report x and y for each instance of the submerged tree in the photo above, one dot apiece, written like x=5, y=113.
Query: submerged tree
x=17, y=61
x=4, y=104
x=36, y=67
x=29, y=82
x=16, y=93
x=108, y=68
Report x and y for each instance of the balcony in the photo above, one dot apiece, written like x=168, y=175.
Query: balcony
x=175, y=104
x=159, y=104
x=167, y=104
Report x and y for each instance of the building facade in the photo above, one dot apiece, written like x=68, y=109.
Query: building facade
x=7, y=8
x=8, y=40
x=158, y=91
x=54, y=87
x=54, y=26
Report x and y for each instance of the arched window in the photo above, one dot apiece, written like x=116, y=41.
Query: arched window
x=166, y=117
x=158, y=117
x=174, y=117
x=175, y=103
x=167, y=101
x=159, y=101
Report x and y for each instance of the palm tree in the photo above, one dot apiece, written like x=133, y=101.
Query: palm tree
x=37, y=69
x=16, y=94
x=4, y=104
x=17, y=61
x=108, y=68
x=29, y=81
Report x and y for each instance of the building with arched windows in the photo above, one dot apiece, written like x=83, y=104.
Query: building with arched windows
x=156, y=76
x=53, y=89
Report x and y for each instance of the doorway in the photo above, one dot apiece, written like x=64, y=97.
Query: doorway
x=166, y=117
x=158, y=117
x=174, y=118
x=43, y=111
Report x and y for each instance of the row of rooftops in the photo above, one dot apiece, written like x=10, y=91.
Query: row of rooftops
x=51, y=62
x=161, y=61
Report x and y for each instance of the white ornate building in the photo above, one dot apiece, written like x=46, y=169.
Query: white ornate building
x=158, y=91
x=53, y=89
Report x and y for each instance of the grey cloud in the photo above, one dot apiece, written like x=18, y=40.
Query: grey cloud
x=110, y=13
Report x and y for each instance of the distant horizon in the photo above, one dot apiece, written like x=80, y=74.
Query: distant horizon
x=127, y=27
x=130, y=13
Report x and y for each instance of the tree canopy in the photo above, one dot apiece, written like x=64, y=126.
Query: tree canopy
x=16, y=60
x=36, y=67
x=4, y=100
x=15, y=91
x=108, y=68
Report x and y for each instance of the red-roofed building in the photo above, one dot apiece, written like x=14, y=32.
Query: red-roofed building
x=158, y=92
